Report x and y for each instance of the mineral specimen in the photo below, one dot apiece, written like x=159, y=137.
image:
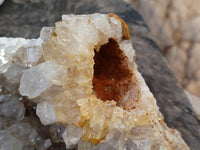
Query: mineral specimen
x=82, y=75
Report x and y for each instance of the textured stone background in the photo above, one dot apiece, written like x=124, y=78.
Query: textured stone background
x=175, y=26
x=24, y=18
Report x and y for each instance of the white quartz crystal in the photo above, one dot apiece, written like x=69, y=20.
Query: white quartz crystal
x=72, y=135
x=128, y=49
x=28, y=56
x=45, y=33
x=14, y=72
x=46, y=113
x=26, y=52
x=39, y=78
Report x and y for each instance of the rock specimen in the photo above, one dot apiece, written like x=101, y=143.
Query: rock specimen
x=82, y=74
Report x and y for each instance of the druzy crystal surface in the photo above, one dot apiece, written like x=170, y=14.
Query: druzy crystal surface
x=83, y=77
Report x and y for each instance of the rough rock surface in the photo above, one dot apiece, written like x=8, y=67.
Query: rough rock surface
x=175, y=26
x=175, y=107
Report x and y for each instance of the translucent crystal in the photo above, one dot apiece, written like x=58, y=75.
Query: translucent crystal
x=24, y=52
x=45, y=33
x=21, y=131
x=28, y=56
x=113, y=143
x=9, y=142
x=72, y=135
x=130, y=145
x=56, y=132
x=42, y=144
x=85, y=145
x=46, y=112
x=145, y=144
x=51, y=93
x=4, y=67
x=33, y=137
x=12, y=109
x=47, y=143
x=8, y=46
x=13, y=74
x=42, y=77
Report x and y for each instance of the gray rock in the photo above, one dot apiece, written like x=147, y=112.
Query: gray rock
x=26, y=20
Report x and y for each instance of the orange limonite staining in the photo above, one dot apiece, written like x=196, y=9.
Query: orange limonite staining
x=112, y=77
x=125, y=30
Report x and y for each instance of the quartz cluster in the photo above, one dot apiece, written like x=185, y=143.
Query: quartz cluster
x=83, y=78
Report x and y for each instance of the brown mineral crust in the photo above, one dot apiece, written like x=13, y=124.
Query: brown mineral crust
x=112, y=76
x=125, y=30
